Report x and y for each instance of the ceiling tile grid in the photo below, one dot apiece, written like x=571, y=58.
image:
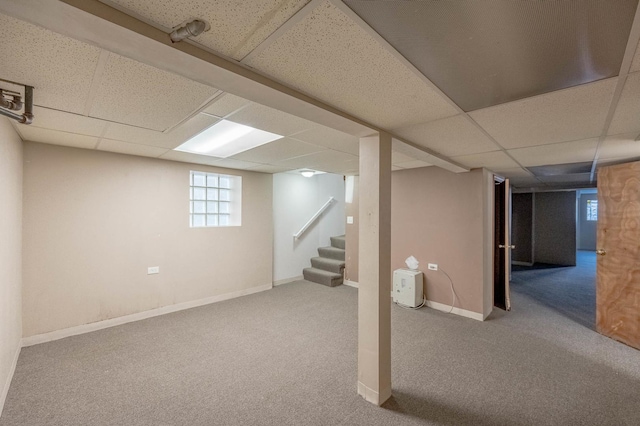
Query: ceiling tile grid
x=627, y=115
x=55, y=137
x=329, y=56
x=325, y=161
x=60, y=68
x=277, y=150
x=270, y=120
x=559, y=153
x=330, y=138
x=619, y=147
x=449, y=136
x=236, y=27
x=134, y=93
x=226, y=104
x=67, y=122
x=565, y=115
x=496, y=160
x=187, y=157
x=130, y=148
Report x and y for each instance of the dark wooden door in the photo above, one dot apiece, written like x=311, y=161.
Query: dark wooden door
x=618, y=242
x=502, y=247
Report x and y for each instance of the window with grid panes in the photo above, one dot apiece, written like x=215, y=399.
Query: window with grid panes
x=214, y=200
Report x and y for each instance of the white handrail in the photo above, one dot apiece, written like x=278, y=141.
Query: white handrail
x=313, y=218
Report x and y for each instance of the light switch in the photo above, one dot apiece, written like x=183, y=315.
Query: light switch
x=350, y=220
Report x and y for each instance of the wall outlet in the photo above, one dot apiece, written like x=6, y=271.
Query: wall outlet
x=153, y=270
x=350, y=220
x=433, y=266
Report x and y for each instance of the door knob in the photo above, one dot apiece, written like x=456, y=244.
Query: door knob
x=503, y=246
x=601, y=252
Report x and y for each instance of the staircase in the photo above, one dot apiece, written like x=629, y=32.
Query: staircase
x=328, y=268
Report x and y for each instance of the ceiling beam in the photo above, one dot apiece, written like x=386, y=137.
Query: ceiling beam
x=101, y=25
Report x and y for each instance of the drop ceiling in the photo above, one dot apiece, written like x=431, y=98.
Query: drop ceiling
x=509, y=86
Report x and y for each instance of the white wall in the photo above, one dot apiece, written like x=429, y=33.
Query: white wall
x=10, y=253
x=94, y=221
x=295, y=200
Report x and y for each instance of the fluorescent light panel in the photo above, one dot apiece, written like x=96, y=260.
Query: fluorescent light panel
x=226, y=138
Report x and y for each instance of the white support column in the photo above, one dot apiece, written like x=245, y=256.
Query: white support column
x=374, y=301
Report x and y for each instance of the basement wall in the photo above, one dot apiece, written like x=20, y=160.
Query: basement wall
x=443, y=218
x=11, y=157
x=295, y=200
x=95, y=221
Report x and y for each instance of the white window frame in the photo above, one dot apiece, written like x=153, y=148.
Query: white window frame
x=215, y=200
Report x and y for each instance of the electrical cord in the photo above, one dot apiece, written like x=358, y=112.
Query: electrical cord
x=453, y=293
x=424, y=302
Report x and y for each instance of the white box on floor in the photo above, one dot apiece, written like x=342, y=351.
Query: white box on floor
x=407, y=287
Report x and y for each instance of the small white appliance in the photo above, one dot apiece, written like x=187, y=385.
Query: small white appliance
x=407, y=287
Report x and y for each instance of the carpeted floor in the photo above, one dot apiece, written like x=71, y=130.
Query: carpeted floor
x=570, y=291
x=288, y=357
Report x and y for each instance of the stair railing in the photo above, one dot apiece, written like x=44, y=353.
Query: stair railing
x=313, y=218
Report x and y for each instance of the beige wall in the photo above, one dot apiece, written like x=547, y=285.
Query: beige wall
x=94, y=221
x=10, y=252
x=444, y=218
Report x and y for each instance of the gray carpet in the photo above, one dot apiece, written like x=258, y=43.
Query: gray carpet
x=288, y=357
x=569, y=290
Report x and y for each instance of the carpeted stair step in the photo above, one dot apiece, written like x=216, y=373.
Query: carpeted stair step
x=331, y=252
x=338, y=242
x=331, y=265
x=320, y=276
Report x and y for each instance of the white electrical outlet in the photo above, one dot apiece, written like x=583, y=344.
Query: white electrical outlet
x=153, y=270
x=350, y=220
x=433, y=266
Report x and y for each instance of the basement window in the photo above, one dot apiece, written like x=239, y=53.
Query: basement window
x=215, y=200
x=592, y=210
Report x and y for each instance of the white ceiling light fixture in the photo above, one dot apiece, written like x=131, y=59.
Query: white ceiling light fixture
x=226, y=138
x=307, y=173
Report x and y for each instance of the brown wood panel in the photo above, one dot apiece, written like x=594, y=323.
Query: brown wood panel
x=618, y=274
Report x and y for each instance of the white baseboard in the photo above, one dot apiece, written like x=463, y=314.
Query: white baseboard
x=7, y=384
x=350, y=283
x=288, y=280
x=458, y=311
x=377, y=398
x=517, y=262
x=94, y=326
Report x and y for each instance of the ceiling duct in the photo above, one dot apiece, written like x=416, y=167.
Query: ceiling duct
x=12, y=101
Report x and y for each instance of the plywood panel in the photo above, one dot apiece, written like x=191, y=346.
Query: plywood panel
x=618, y=275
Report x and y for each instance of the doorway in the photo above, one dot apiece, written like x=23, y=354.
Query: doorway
x=554, y=262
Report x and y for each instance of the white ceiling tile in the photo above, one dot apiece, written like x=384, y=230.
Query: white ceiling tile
x=134, y=93
x=627, y=115
x=330, y=138
x=130, y=148
x=237, y=27
x=450, y=136
x=570, y=178
x=230, y=163
x=277, y=150
x=514, y=173
x=176, y=137
x=330, y=57
x=67, y=122
x=413, y=164
x=394, y=168
x=398, y=157
x=188, y=157
x=226, y=104
x=270, y=120
x=326, y=161
x=266, y=168
x=565, y=115
x=619, y=147
x=55, y=137
x=559, y=153
x=521, y=182
x=496, y=160
x=635, y=63
x=60, y=68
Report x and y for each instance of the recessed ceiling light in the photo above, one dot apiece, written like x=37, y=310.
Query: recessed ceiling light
x=307, y=173
x=226, y=138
